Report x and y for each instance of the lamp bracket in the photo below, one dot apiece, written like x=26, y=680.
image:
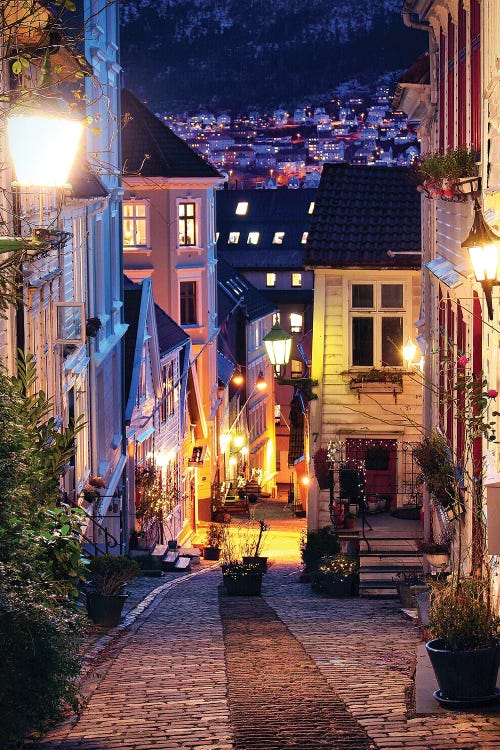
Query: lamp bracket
x=306, y=384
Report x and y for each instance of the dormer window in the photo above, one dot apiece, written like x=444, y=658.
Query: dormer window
x=253, y=238
x=234, y=238
x=311, y=208
x=304, y=237
x=241, y=208
x=186, y=213
x=296, y=279
x=278, y=238
x=270, y=279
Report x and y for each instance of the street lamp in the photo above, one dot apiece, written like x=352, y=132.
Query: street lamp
x=409, y=351
x=482, y=244
x=43, y=139
x=278, y=343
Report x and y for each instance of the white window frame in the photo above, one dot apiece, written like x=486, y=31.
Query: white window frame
x=134, y=219
x=377, y=314
x=79, y=330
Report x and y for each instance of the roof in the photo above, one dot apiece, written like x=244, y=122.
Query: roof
x=418, y=74
x=170, y=334
x=84, y=183
x=151, y=149
x=225, y=368
x=268, y=212
x=362, y=215
x=233, y=288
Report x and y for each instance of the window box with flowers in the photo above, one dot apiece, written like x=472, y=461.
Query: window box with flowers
x=451, y=175
x=377, y=381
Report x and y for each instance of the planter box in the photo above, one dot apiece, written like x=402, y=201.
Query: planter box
x=338, y=589
x=244, y=585
x=260, y=561
x=377, y=386
x=211, y=553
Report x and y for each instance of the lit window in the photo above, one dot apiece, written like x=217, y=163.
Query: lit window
x=253, y=238
x=311, y=207
x=135, y=223
x=277, y=413
x=278, y=238
x=295, y=323
x=296, y=279
x=234, y=238
x=297, y=368
x=304, y=237
x=242, y=208
x=270, y=279
x=376, y=337
x=187, y=224
x=217, y=235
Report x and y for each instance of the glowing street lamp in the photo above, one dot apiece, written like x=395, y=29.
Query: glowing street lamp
x=278, y=343
x=409, y=352
x=43, y=139
x=482, y=244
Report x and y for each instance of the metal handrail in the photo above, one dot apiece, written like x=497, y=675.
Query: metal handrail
x=110, y=541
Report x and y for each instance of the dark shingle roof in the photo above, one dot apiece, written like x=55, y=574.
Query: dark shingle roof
x=170, y=335
x=361, y=213
x=169, y=156
x=232, y=287
x=269, y=211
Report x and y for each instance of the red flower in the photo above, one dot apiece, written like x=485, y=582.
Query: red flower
x=462, y=361
x=492, y=393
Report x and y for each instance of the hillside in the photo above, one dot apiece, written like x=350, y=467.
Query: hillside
x=240, y=53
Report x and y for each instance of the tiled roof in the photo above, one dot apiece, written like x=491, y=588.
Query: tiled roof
x=170, y=335
x=362, y=215
x=269, y=211
x=151, y=149
x=233, y=287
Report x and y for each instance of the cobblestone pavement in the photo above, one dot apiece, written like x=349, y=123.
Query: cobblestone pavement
x=174, y=684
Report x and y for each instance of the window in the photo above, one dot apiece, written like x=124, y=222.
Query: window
x=253, y=238
x=187, y=224
x=168, y=394
x=377, y=338
x=234, y=238
x=277, y=413
x=304, y=237
x=278, y=238
x=270, y=279
x=241, y=208
x=311, y=207
x=135, y=223
x=295, y=323
x=296, y=279
x=187, y=291
x=297, y=368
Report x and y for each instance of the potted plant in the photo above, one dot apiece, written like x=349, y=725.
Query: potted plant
x=254, y=544
x=441, y=174
x=337, y=576
x=322, y=468
x=105, y=597
x=242, y=579
x=316, y=544
x=465, y=648
x=216, y=534
x=437, y=553
x=407, y=583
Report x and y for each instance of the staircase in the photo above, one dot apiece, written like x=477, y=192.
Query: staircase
x=381, y=558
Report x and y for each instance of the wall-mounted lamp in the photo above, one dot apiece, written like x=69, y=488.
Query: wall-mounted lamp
x=483, y=251
x=278, y=343
x=260, y=383
x=238, y=378
x=409, y=352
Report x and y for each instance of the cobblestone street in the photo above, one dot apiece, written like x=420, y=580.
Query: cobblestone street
x=199, y=670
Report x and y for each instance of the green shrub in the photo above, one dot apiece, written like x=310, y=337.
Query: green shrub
x=462, y=615
x=40, y=659
x=110, y=572
x=317, y=544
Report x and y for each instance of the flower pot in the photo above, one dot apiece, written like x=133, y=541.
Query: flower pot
x=339, y=589
x=211, y=553
x=105, y=609
x=248, y=584
x=464, y=676
x=437, y=559
x=258, y=560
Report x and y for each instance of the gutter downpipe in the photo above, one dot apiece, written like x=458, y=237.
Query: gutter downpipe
x=426, y=253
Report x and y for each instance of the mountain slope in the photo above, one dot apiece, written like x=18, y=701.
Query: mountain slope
x=236, y=53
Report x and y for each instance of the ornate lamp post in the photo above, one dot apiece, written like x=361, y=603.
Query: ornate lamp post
x=482, y=244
